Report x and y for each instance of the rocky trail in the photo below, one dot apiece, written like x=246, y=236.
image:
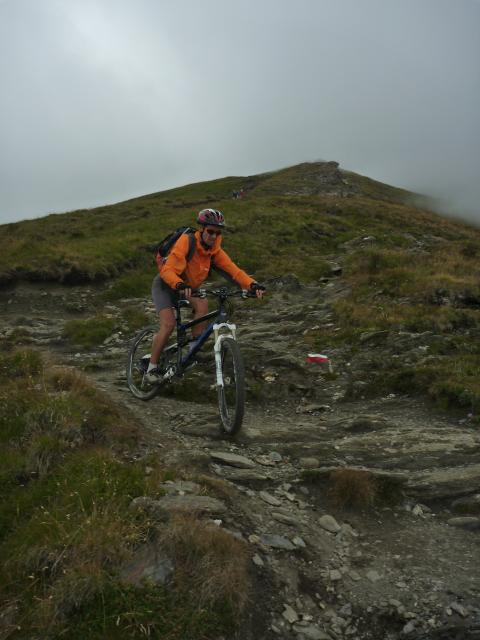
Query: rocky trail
x=408, y=567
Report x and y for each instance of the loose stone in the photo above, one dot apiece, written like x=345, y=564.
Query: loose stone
x=244, y=475
x=348, y=531
x=395, y=603
x=193, y=504
x=298, y=542
x=277, y=542
x=182, y=486
x=232, y=459
x=466, y=522
x=285, y=519
x=455, y=606
x=265, y=461
x=269, y=499
x=148, y=563
x=290, y=614
x=470, y=504
x=309, y=463
x=311, y=632
x=275, y=456
x=373, y=576
x=150, y=506
x=329, y=523
x=408, y=628
x=257, y=560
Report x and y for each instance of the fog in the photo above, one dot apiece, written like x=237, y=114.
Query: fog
x=104, y=100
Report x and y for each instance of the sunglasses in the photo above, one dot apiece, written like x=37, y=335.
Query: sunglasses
x=213, y=232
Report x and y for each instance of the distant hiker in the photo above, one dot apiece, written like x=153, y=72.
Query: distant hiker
x=183, y=270
x=234, y=195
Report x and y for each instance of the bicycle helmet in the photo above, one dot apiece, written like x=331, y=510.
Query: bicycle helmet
x=211, y=216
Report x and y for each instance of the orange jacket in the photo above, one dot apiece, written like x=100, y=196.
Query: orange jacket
x=176, y=268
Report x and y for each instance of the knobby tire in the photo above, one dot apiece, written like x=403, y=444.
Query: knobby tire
x=141, y=346
x=231, y=397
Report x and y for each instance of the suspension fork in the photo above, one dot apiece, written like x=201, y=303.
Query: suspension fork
x=219, y=337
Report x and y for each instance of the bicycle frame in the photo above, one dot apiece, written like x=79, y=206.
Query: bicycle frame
x=178, y=357
x=220, y=320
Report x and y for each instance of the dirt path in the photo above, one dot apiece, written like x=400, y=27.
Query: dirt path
x=404, y=568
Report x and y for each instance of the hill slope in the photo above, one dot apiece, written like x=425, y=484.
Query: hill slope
x=306, y=211
x=353, y=269
x=404, y=268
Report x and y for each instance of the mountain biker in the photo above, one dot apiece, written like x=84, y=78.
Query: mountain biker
x=177, y=277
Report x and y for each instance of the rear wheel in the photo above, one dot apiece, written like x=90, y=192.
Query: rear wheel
x=138, y=360
x=231, y=396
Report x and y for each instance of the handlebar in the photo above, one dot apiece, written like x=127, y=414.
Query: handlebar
x=222, y=293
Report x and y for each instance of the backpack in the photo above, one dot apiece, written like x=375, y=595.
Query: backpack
x=165, y=246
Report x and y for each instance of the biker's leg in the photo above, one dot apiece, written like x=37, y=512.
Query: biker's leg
x=200, y=308
x=163, y=300
x=167, y=325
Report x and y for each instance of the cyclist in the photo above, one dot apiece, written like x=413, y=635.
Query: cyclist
x=178, y=276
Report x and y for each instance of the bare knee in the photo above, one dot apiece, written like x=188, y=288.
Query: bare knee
x=167, y=321
x=167, y=327
x=200, y=308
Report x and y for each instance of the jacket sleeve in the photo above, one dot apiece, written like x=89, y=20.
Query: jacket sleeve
x=176, y=262
x=224, y=265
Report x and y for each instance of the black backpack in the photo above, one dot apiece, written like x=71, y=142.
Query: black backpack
x=165, y=246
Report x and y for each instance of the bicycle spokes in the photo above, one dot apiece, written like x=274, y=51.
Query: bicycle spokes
x=231, y=389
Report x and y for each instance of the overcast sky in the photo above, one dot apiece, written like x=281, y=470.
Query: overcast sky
x=103, y=100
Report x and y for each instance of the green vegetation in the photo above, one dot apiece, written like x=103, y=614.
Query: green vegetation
x=450, y=380
x=90, y=332
x=288, y=217
x=408, y=310
x=355, y=489
x=67, y=478
x=406, y=268
x=134, y=284
x=134, y=318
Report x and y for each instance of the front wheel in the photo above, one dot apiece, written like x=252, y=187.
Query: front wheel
x=231, y=393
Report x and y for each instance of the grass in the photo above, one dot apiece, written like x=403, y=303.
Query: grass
x=67, y=476
x=452, y=381
x=91, y=332
x=350, y=488
x=396, y=290
x=209, y=561
x=442, y=363
x=270, y=228
x=355, y=489
x=135, y=319
x=135, y=284
x=417, y=272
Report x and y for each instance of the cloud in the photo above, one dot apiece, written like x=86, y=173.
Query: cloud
x=103, y=101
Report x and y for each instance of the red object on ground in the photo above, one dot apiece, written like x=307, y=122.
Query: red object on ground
x=317, y=357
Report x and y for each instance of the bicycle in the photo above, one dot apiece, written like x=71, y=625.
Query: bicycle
x=229, y=367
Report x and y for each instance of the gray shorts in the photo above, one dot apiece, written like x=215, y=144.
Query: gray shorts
x=163, y=296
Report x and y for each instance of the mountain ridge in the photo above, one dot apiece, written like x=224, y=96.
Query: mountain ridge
x=93, y=245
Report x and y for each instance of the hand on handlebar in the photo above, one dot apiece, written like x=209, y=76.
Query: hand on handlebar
x=184, y=290
x=257, y=289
